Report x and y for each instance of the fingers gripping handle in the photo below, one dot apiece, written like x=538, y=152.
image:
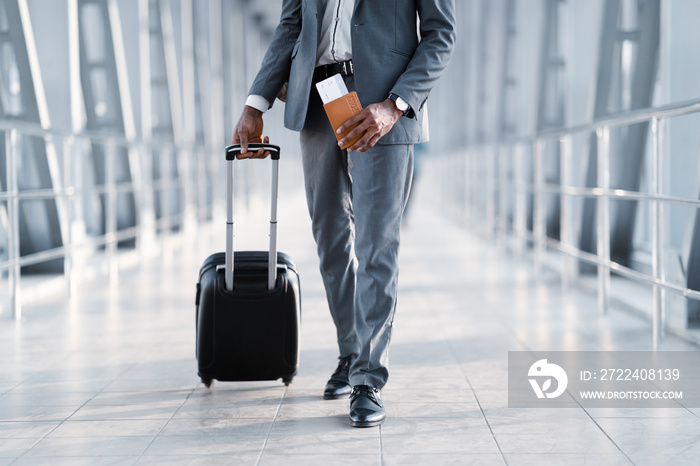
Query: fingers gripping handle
x=231, y=152
x=235, y=149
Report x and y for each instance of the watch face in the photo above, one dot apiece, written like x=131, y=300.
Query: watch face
x=401, y=104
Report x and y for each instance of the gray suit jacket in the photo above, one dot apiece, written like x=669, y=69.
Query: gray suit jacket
x=386, y=53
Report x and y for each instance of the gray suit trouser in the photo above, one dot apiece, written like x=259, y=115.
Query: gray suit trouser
x=356, y=202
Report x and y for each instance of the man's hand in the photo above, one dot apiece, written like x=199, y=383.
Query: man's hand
x=282, y=95
x=249, y=129
x=372, y=123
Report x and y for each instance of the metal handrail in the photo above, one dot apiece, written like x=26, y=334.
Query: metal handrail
x=632, y=117
x=194, y=161
x=67, y=194
x=610, y=193
x=495, y=182
x=101, y=137
x=615, y=266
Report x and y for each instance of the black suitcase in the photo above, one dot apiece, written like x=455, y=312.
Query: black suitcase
x=248, y=315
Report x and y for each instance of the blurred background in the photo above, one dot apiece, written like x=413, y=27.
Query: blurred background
x=565, y=131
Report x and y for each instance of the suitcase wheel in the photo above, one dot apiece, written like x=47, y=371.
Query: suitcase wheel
x=287, y=381
x=207, y=382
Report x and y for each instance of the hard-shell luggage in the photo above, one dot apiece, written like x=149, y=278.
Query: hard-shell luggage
x=248, y=303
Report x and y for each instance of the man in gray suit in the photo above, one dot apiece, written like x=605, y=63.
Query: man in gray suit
x=392, y=53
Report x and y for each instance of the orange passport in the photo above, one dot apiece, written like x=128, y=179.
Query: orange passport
x=340, y=110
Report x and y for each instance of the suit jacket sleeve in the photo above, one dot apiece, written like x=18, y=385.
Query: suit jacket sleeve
x=437, y=30
x=274, y=70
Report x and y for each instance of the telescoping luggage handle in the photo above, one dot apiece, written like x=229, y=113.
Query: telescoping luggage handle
x=231, y=153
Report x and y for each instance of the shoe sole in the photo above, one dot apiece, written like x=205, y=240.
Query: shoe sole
x=366, y=423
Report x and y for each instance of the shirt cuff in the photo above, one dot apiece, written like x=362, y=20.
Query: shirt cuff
x=258, y=102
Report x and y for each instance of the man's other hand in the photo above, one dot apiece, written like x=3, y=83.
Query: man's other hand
x=249, y=129
x=282, y=95
x=373, y=122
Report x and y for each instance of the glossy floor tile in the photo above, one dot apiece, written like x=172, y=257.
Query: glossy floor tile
x=109, y=376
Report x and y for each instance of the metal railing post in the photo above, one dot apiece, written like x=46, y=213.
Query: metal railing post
x=490, y=192
x=188, y=184
x=467, y=189
x=565, y=220
x=111, y=211
x=474, y=187
x=603, y=230
x=206, y=208
x=520, y=201
x=482, y=193
x=502, y=197
x=539, y=218
x=166, y=203
x=147, y=241
x=458, y=195
x=13, y=239
x=450, y=197
x=454, y=188
x=68, y=192
x=657, y=219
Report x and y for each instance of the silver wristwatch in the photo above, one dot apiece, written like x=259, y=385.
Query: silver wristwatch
x=401, y=104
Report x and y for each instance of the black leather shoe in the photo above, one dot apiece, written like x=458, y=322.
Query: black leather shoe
x=338, y=385
x=366, y=408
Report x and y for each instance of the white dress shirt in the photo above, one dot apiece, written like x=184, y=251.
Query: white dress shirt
x=335, y=45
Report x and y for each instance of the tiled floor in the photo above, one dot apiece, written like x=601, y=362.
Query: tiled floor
x=110, y=377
